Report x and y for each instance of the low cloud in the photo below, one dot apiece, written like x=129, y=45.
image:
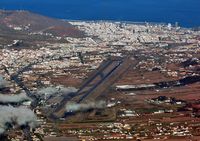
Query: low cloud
x=17, y=98
x=47, y=92
x=12, y=117
x=74, y=107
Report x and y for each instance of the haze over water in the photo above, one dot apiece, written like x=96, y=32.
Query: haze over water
x=186, y=12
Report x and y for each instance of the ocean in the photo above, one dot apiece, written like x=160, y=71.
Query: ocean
x=185, y=12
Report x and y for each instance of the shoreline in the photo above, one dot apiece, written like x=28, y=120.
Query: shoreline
x=110, y=21
x=131, y=22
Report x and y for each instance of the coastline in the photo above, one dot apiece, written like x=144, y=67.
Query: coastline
x=112, y=21
x=131, y=23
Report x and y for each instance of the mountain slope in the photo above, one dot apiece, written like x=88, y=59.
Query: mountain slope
x=30, y=22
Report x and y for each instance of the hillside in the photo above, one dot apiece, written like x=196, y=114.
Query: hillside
x=30, y=23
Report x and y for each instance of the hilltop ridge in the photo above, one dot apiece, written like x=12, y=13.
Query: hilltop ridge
x=30, y=22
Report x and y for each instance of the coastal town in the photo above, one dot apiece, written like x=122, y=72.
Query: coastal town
x=156, y=95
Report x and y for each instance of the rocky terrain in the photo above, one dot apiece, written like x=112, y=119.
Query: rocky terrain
x=30, y=28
